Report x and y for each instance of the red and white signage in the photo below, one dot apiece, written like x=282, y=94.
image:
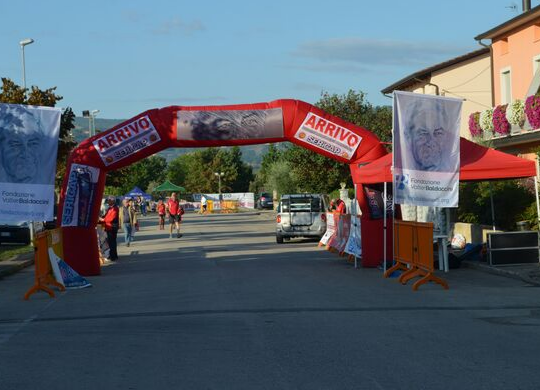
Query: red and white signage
x=127, y=140
x=326, y=135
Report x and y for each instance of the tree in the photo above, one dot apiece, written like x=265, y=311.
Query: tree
x=140, y=174
x=195, y=171
x=280, y=177
x=271, y=156
x=15, y=94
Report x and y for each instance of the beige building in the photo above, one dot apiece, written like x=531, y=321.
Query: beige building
x=467, y=77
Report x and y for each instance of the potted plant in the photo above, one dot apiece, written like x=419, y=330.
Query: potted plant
x=532, y=110
x=515, y=114
x=486, y=122
x=500, y=123
x=474, y=125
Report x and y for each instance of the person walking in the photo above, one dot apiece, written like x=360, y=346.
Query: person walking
x=204, y=204
x=110, y=223
x=143, y=206
x=128, y=220
x=175, y=212
x=161, y=210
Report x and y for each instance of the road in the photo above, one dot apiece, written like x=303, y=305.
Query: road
x=225, y=307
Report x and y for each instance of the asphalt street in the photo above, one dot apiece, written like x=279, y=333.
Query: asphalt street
x=225, y=307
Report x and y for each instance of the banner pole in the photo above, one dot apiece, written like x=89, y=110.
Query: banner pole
x=536, y=192
x=492, y=206
x=384, y=227
x=355, y=216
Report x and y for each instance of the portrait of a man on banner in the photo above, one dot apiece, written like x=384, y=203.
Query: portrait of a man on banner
x=28, y=148
x=426, y=149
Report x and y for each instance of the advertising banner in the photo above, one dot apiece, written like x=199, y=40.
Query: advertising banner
x=245, y=199
x=330, y=229
x=80, y=194
x=103, y=244
x=229, y=124
x=426, y=149
x=375, y=200
x=127, y=140
x=328, y=136
x=354, y=244
x=28, y=148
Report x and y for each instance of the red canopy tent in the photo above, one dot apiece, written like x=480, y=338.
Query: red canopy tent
x=477, y=163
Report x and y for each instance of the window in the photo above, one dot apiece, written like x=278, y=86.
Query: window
x=536, y=63
x=506, y=86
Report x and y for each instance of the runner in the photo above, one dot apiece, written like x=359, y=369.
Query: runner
x=175, y=212
x=161, y=209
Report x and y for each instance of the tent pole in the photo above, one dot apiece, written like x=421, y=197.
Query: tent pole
x=492, y=206
x=536, y=191
x=355, y=216
x=384, y=228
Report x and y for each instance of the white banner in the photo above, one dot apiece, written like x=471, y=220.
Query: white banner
x=330, y=229
x=426, y=149
x=28, y=148
x=245, y=199
x=118, y=144
x=80, y=195
x=328, y=136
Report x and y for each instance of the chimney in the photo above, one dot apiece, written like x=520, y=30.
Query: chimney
x=526, y=5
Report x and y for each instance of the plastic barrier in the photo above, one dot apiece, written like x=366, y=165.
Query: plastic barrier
x=413, y=253
x=43, y=271
x=229, y=206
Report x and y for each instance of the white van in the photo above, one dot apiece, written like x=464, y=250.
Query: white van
x=301, y=215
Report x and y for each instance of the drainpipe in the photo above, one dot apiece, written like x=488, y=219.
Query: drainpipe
x=526, y=5
x=491, y=65
x=437, y=90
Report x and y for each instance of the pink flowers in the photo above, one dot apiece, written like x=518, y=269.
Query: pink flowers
x=500, y=123
x=532, y=110
x=474, y=124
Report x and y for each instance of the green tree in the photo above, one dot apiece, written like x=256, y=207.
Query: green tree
x=259, y=182
x=280, y=177
x=140, y=174
x=15, y=94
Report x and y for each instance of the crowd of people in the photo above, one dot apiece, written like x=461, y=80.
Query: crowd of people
x=125, y=217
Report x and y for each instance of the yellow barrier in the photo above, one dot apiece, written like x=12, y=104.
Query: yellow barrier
x=43, y=272
x=229, y=206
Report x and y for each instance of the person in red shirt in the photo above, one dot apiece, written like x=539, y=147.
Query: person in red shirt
x=111, y=224
x=161, y=210
x=341, y=208
x=175, y=212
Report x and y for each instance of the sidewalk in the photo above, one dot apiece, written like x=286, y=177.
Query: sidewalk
x=529, y=273
x=15, y=264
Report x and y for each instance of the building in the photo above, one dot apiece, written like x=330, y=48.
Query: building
x=467, y=76
x=515, y=56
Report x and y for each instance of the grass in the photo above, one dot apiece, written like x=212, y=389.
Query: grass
x=7, y=252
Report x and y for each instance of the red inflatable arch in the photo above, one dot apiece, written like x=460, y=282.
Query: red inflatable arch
x=176, y=126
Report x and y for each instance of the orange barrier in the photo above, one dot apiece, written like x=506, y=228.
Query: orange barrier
x=413, y=253
x=43, y=272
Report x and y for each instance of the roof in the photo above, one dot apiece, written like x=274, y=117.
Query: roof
x=418, y=76
x=477, y=163
x=511, y=24
x=168, y=186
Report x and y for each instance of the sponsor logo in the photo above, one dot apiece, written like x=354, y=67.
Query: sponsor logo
x=120, y=143
x=402, y=181
x=79, y=197
x=328, y=136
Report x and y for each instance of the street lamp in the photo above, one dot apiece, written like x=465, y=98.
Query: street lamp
x=23, y=43
x=91, y=115
x=219, y=175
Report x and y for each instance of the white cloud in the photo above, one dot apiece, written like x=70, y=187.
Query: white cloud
x=377, y=52
x=177, y=25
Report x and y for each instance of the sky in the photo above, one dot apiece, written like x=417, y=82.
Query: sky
x=125, y=57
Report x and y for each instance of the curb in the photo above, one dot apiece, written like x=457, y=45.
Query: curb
x=15, y=264
x=500, y=272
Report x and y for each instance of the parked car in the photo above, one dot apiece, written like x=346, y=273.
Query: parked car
x=264, y=201
x=14, y=233
x=301, y=215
